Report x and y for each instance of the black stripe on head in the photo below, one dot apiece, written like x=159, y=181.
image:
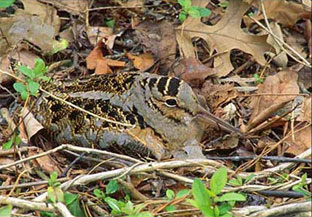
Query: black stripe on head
x=161, y=85
x=173, y=87
x=152, y=83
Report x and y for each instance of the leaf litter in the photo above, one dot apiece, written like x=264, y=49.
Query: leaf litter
x=247, y=76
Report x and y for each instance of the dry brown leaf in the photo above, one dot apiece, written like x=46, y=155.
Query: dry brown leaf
x=97, y=61
x=31, y=124
x=159, y=39
x=142, y=62
x=193, y=71
x=284, y=82
x=24, y=26
x=46, y=12
x=285, y=12
x=300, y=142
x=44, y=162
x=281, y=57
x=96, y=33
x=75, y=7
x=24, y=57
x=223, y=37
x=305, y=114
x=216, y=94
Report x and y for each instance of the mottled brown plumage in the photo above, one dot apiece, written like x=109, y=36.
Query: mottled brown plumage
x=158, y=114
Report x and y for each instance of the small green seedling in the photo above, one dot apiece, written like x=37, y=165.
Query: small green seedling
x=171, y=195
x=110, y=23
x=211, y=202
x=31, y=85
x=55, y=193
x=193, y=11
x=302, y=187
x=258, y=79
x=15, y=139
x=239, y=181
x=119, y=207
x=59, y=45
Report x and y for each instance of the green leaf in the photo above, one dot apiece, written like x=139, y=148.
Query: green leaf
x=17, y=140
x=200, y=193
x=144, y=214
x=44, y=78
x=223, y=4
x=19, y=87
x=6, y=3
x=224, y=208
x=207, y=211
x=59, y=194
x=249, y=178
x=53, y=177
x=194, y=12
x=48, y=214
x=98, y=193
x=70, y=198
x=182, y=16
x=24, y=94
x=186, y=4
x=234, y=182
x=193, y=203
x=170, y=194
x=226, y=215
x=40, y=67
x=72, y=203
x=27, y=71
x=216, y=211
x=60, y=45
x=128, y=208
x=182, y=193
x=33, y=87
x=51, y=194
x=112, y=187
x=232, y=196
x=171, y=208
x=6, y=211
x=110, y=23
x=8, y=144
x=113, y=204
x=218, y=180
x=203, y=12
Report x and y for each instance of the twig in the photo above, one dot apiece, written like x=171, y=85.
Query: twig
x=272, y=158
x=27, y=204
x=289, y=194
x=63, y=209
x=30, y=184
x=147, y=167
x=284, y=210
x=73, y=148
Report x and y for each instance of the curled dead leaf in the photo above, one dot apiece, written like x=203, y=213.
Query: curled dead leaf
x=193, y=71
x=300, y=141
x=97, y=61
x=280, y=89
x=143, y=61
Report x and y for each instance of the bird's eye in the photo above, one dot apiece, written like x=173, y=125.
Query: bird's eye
x=171, y=103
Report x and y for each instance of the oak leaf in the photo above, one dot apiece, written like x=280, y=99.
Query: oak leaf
x=223, y=37
x=97, y=61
